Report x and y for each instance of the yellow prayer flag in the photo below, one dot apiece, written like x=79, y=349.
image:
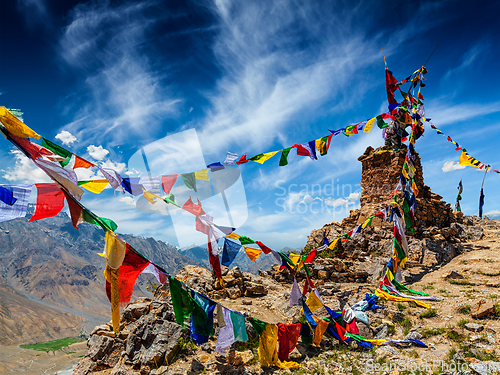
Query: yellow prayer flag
x=414, y=187
x=202, y=175
x=390, y=297
x=94, y=186
x=376, y=341
x=466, y=160
x=114, y=250
x=321, y=328
x=15, y=126
x=265, y=157
x=112, y=276
x=233, y=235
x=367, y=222
x=252, y=253
x=369, y=125
x=150, y=197
x=405, y=173
x=332, y=245
x=296, y=258
x=313, y=302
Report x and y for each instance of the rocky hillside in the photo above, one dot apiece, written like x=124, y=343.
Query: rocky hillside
x=461, y=328
x=57, y=266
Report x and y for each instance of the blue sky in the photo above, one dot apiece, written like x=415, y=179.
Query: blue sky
x=208, y=77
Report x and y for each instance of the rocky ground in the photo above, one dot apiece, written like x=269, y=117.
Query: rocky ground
x=461, y=329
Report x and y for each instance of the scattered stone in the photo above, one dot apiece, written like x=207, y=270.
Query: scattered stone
x=247, y=302
x=381, y=331
x=197, y=366
x=474, y=327
x=239, y=358
x=414, y=335
x=485, y=368
x=483, y=309
x=453, y=275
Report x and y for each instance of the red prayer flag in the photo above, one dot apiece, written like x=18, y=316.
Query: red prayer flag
x=32, y=150
x=243, y=160
x=214, y=261
x=263, y=247
x=390, y=85
x=82, y=163
x=75, y=210
x=133, y=264
x=49, y=201
x=308, y=286
x=288, y=335
x=340, y=331
x=168, y=182
x=310, y=256
x=301, y=150
x=195, y=209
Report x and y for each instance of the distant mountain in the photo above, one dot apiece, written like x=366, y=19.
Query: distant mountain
x=51, y=262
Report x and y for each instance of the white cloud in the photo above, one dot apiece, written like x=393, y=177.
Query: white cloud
x=127, y=200
x=493, y=213
x=442, y=113
x=452, y=166
x=24, y=170
x=97, y=152
x=121, y=168
x=66, y=137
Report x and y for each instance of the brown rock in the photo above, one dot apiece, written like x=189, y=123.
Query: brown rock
x=453, y=275
x=234, y=292
x=322, y=275
x=253, y=289
x=482, y=310
x=239, y=358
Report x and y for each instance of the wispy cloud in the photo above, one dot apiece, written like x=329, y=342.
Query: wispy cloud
x=125, y=94
x=443, y=113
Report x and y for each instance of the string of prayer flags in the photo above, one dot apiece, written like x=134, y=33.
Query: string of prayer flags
x=15, y=126
x=229, y=252
x=189, y=180
x=19, y=200
x=49, y=201
x=94, y=186
x=33, y=150
x=252, y=253
x=284, y=156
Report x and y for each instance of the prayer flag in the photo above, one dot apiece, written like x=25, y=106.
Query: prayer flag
x=189, y=180
x=229, y=252
x=295, y=294
x=113, y=177
x=195, y=209
x=132, y=266
x=7, y=195
x=152, y=184
x=467, y=160
x=16, y=126
x=230, y=158
x=369, y=125
x=239, y=328
x=213, y=258
x=202, y=318
x=150, y=197
x=33, y=150
x=313, y=302
x=252, y=253
x=390, y=85
x=233, y=236
x=243, y=160
x=310, y=256
x=288, y=335
x=202, y=175
x=226, y=333
x=21, y=194
x=321, y=328
x=181, y=300
x=156, y=272
x=261, y=158
x=114, y=250
x=168, y=181
x=171, y=200
x=323, y=144
x=244, y=240
x=215, y=166
x=49, y=201
x=58, y=150
x=94, y=186
x=263, y=247
x=132, y=185
x=284, y=156
x=82, y=163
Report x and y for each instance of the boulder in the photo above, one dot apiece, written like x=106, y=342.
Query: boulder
x=165, y=343
x=482, y=309
x=254, y=289
x=474, y=327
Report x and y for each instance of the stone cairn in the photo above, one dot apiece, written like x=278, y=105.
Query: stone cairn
x=439, y=230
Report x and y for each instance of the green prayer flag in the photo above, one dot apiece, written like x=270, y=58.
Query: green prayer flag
x=381, y=123
x=284, y=156
x=256, y=157
x=56, y=149
x=105, y=224
x=402, y=288
x=181, y=300
x=189, y=180
x=246, y=240
x=171, y=200
x=399, y=250
x=258, y=325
